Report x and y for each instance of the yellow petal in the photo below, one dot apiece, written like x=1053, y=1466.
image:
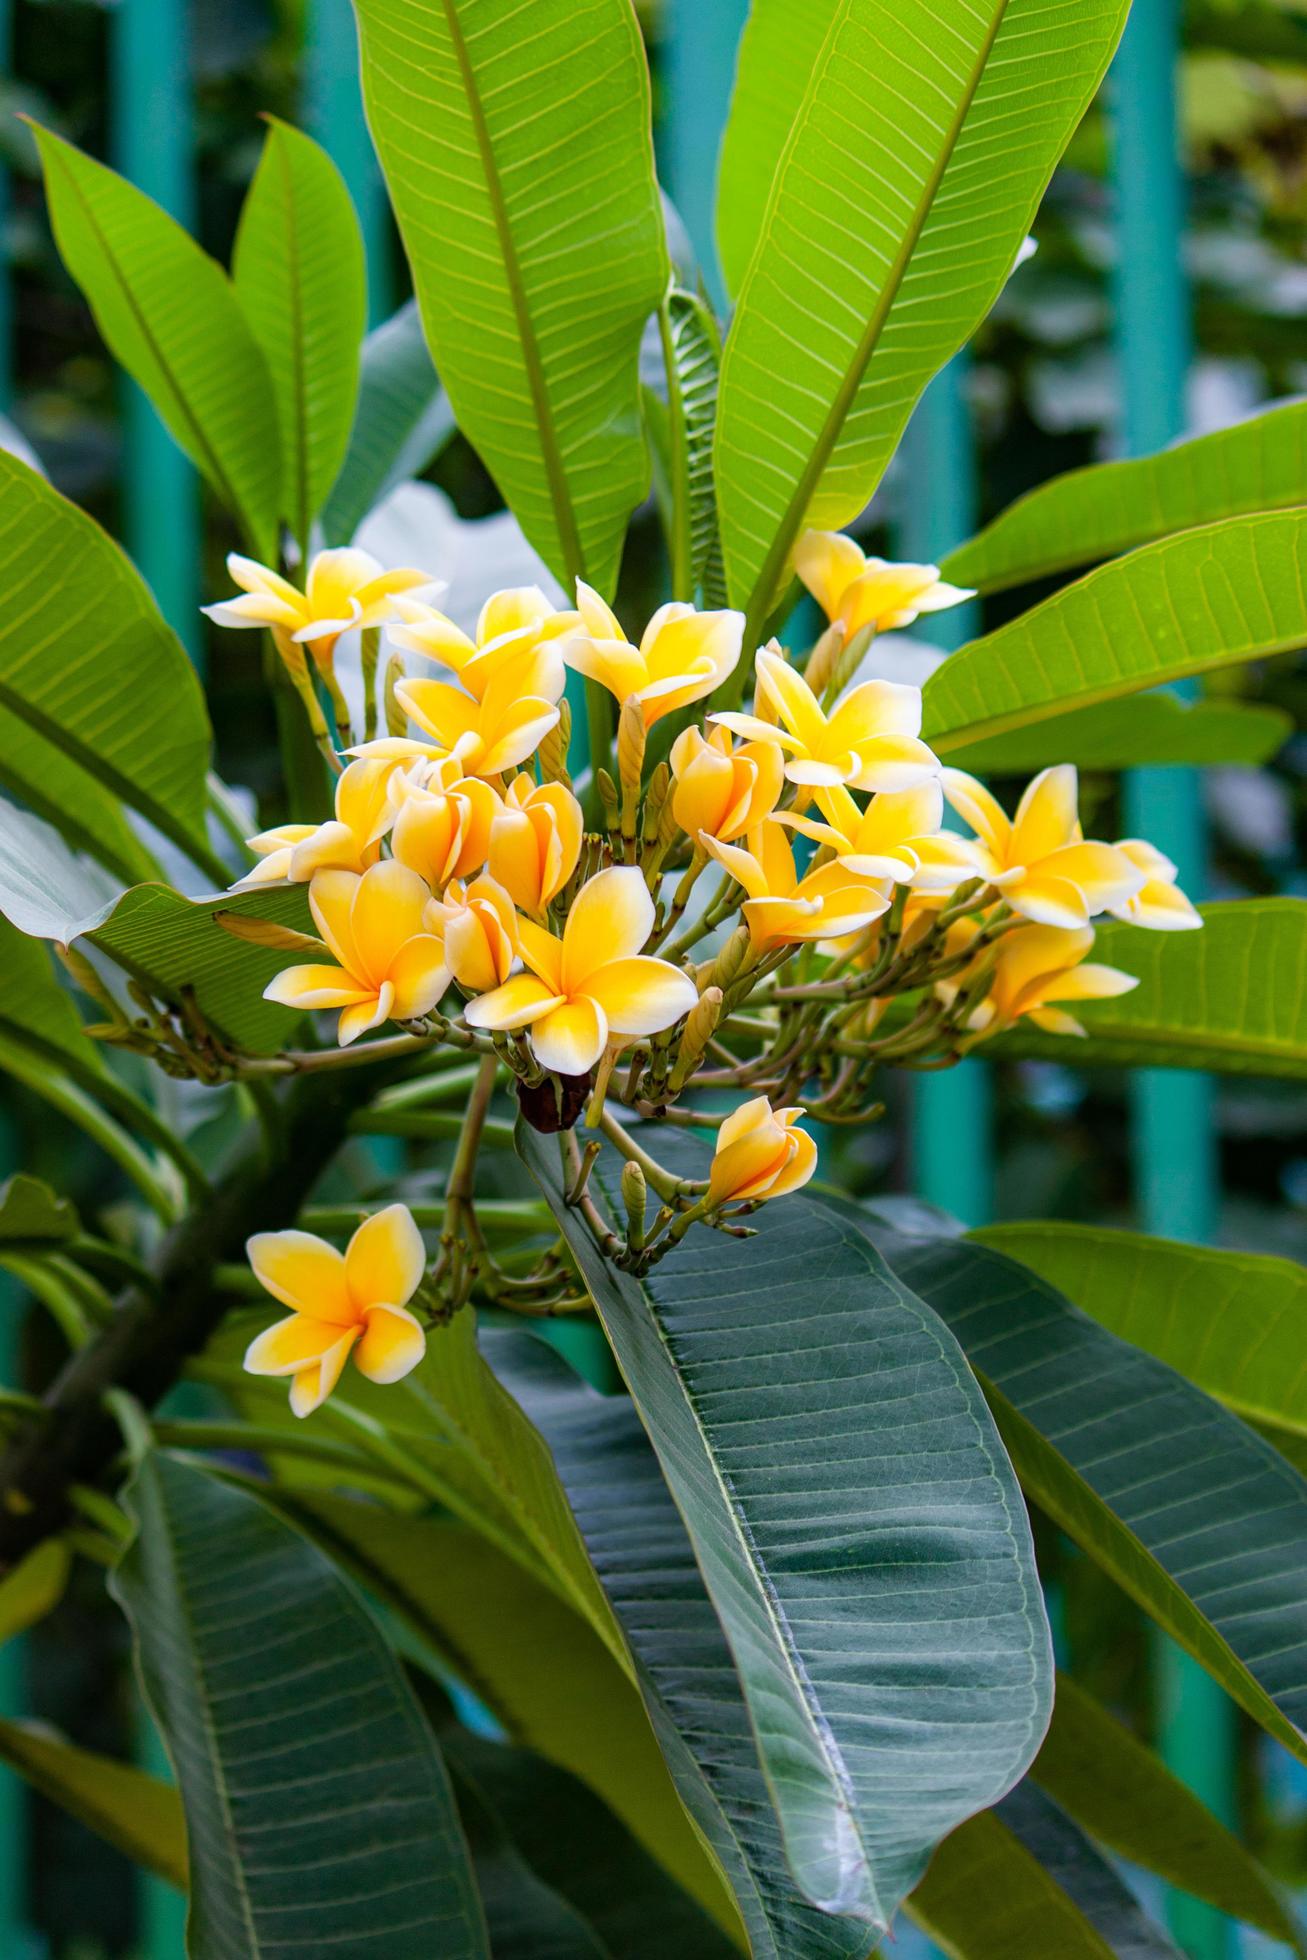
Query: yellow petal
x=894, y=762
x=316, y=986
x=615, y=664
x=311, y=1387
x=515, y=739
x=364, y=1015
x=385, y=914
x=828, y=563
x=543, y=953
x=793, y=699
x=253, y=577
x=799, y=1167
x=641, y=995
x=302, y=1271
x=747, y=1115
x=519, y=1002
x=1046, y=815
x=419, y=978
x=1091, y=981
x=873, y=710
x=746, y=1168
x=362, y=802
x=385, y=1259
x=570, y=1038
x=599, y=620
x=331, y=901
x=393, y=1343
x=290, y=1345
x=976, y=806
x=1047, y=900
x=1159, y=907
x=445, y=712
x=611, y=918
x=1103, y=875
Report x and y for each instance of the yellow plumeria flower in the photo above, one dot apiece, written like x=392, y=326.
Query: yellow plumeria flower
x=682, y=655
x=514, y=620
x=442, y=820
x=782, y=908
x=535, y=841
x=1159, y=903
x=341, y=1304
x=346, y=588
x=760, y=1154
x=351, y=841
x=592, y=988
x=898, y=836
x=870, y=740
x=390, y=966
x=1038, y=968
x=859, y=591
x=502, y=727
x=722, y=790
x=477, y=926
x=1040, y=860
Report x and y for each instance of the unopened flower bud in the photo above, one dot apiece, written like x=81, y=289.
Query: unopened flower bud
x=552, y=753
x=760, y=1154
x=821, y=661
x=700, y=1026
x=727, y=965
x=396, y=713
x=630, y=751
x=635, y=1196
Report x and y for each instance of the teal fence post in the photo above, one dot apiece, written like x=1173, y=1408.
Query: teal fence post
x=333, y=116
x=952, y=1114
x=1173, y=1140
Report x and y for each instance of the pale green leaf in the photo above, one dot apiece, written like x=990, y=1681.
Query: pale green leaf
x=50, y=783
x=1205, y=599
x=30, y=1212
x=1095, y=513
x=299, y=276
x=986, y=1896
x=35, y=1586
x=1147, y=730
x=168, y=313
x=136, y=1813
x=403, y=419
x=520, y=166
x=917, y=154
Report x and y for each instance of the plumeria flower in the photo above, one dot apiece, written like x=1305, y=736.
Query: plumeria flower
x=761, y=1153
x=722, y=790
x=535, y=841
x=1040, y=860
x=514, y=620
x=350, y=841
x=898, y=836
x=859, y=591
x=682, y=655
x=390, y=966
x=1159, y=903
x=1037, y=969
x=355, y=1302
x=592, y=988
x=504, y=725
x=830, y=903
x=477, y=926
x=870, y=740
x=346, y=588
x=442, y=820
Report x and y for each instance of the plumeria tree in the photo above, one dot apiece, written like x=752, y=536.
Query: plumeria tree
x=603, y=1534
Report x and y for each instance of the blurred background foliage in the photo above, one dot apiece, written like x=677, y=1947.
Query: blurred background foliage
x=1044, y=396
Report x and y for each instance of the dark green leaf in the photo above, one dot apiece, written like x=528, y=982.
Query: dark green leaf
x=1067, y=1857
x=137, y=1813
x=403, y=420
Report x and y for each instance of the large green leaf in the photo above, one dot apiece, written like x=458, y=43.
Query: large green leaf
x=1229, y=999
x=138, y=1814
x=1197, y=1518
x=403, y=419
x=1124, y=1795
x=1093, y=1886
x=48, y=781
x=88, y=665
x=843, y=1571
x=1141, y=731
x=168, y=313
x=299, y=276
x=318, y=1809
x=1192, y=603
x=1235, y=1323
x=520, y=167
x=918, y=150
x=987, y=1897
x=1094, y=513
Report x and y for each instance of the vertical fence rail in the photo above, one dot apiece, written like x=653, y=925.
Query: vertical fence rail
x=1173, y=1140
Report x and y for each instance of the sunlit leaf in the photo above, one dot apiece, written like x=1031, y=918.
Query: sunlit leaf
x=1140, y=731
x=403, y=419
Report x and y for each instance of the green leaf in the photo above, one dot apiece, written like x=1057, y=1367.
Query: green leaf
x=30, y=1212
x=287, y=1717
x=168, y=313
x=906, y=185
x=137, y=1813
x=1233, y=1323
x=34, y=1587
x=1228, y=999
x=1095, y=513
x=1124, y=1795
x=520, y=167
x=1194, y=1516
x=403, y=419
x=838, y=1572
x=50, y=783
x=1193, y=603
x=299, y=276
x=88, y=665
x=987, y=1896
x=1144, y=731
x=1066, y=1856
x=692, y=356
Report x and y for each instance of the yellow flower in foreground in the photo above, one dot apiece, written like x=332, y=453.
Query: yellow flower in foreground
x=1039, y=860
x=514, y=620
x=760, y=1154
x=351, y=841
x=442, y=820
x=830, y=903
x=592, y=987
x=478, y=928
x=342, y=1303
x=859, y=591
x=868, y=742
x=682, y=655
x=720, y=790
x=897, y=836
x=1038, y=968
x=390, y=965
x=1159, y=903
x=345, y=588
x=506, y=724
x=535, y=841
